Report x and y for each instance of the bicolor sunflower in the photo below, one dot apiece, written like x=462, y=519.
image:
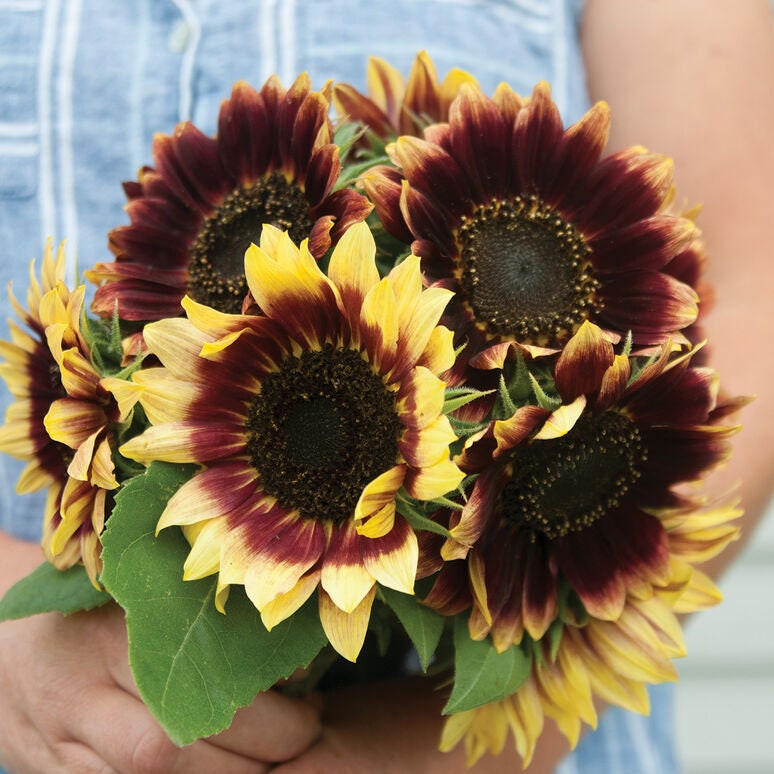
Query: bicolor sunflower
x=582, y=503
x=533, y=229
x=307, y=421
x=62, y=419
x=395, y=105
x=197, y=210
x=602, y=660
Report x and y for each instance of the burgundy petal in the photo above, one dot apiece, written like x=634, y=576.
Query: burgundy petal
x=478, y=137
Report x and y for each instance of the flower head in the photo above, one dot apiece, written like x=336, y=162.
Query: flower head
x=600, y=660
x=307, y=419
x=579, y=503
x=532, y=229
x=195, y=213
x=62, y=419
x=395, y=106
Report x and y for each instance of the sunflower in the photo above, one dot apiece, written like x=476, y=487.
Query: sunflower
x=193, y=216
x=586, y=503
x=307, y=420
x=602, y=660
x=532, y=229
x=395, y=106
x=61, y=421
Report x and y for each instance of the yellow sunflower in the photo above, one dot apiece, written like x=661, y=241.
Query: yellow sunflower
x=307, y=421
x=62, y=419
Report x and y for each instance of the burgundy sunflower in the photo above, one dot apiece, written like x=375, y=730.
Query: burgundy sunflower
x=308, y=420
x=195, y=213
x=532, y=228
x=62, y=419
x=395, y=106
x=582, y=503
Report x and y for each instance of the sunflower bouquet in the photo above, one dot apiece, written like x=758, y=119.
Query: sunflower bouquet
x=420, y=366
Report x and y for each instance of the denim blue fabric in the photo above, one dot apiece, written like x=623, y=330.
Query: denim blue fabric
x=84, y=84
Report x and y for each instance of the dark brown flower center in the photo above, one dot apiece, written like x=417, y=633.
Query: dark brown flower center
x=323, y=426
x=525, y=271
x=217, y=265
x=565, y=485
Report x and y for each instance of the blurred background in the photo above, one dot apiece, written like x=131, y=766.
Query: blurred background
x=725, y=698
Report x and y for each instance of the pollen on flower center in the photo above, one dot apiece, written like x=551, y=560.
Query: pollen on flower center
x=525, y=270
x=567, y=484
x=323, y=426
x=216, y=268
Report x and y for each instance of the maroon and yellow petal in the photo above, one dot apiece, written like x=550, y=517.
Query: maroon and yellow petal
x=479, y=140
x=185, y=442
x=244, y=123
x=289, y=287
x=583, y=362
x=344, y=576
x=425, y=447
x=72, y=422
x=536, y=133
x=476, y=513
x=210, y=494
x=277, y=569
x=540, y=603
x=590, y=565
x=420, y=398
x=379, y=492
x=392, y=558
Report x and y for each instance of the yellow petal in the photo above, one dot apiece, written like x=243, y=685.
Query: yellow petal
x=284, y=605
x=352, y=266
x=562, y=420
x=346, y=631
x=378, y=523
x=380, y=492
x=434, y=481
x=379, y=326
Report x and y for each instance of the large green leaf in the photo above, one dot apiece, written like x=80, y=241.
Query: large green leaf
x=481, y=674
x=194, y=666
x=423, y=626
x=47, y=589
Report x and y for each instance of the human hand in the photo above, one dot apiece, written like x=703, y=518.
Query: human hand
x=394, y=727
x=68, y=704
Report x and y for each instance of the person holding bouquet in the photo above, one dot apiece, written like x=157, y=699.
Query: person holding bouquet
x=80, y=118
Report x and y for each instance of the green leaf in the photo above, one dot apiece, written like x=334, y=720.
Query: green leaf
x=47, y=589
x=423, y=625
x=481, y=674
x=194, y=666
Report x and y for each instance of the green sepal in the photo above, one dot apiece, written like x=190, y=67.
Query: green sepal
x=481, y=674
x=423, y=625
x=505, y=406
x=543, y=399
x=412, y=512
x=463, y=428
x=47, y=589
x=194, y=667
x=457, y=397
